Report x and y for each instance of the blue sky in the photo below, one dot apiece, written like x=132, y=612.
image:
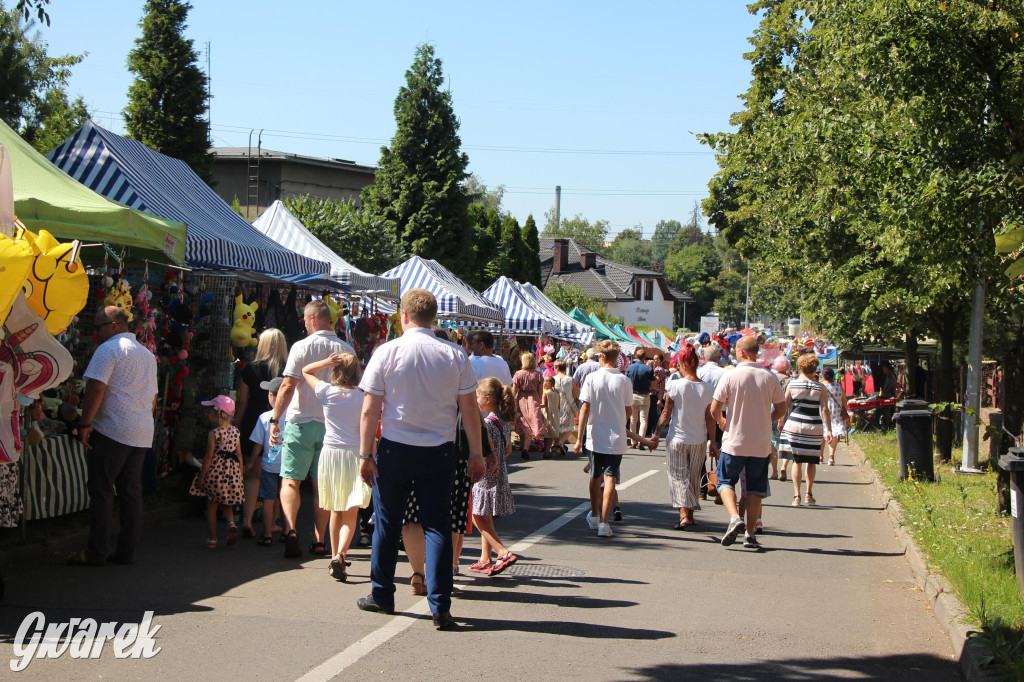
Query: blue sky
x=532, y=84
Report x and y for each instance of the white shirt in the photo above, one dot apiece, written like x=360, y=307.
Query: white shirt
x=485, y=366
x=306, y=407
x=129, y=371
x=710, y=372
x=421, y=378
x=690, y=400
x=609, y=392
x=342, y=407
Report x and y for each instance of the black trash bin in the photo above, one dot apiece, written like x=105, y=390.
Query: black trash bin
x=914, y=435
x=912, y=404
x=1014, y=463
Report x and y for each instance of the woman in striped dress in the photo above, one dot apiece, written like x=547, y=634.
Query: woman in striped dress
x=808, y=421
x=688, y=405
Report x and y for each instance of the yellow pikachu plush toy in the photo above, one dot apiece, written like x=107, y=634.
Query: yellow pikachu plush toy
x=242, y=331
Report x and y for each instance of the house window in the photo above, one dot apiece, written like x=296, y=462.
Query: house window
x=648, y=289
x=636, y=290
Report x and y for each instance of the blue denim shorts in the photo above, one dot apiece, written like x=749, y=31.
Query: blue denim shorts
x=270, y=485
x=731, y=466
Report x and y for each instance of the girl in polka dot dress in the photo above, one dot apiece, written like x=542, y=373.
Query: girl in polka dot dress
x=220, y=480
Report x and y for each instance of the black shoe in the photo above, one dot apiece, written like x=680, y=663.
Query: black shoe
x=750, y=542
x=292, y=549
x=617, y=514
x=444, y=621
x=368, y=603
x=526, y=455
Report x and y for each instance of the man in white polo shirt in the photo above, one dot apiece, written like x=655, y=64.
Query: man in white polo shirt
x=485, y=364
x=117, y=428
x=415, y=386
x=303, y=435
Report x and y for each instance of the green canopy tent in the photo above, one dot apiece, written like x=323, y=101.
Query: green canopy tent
x=45, y=198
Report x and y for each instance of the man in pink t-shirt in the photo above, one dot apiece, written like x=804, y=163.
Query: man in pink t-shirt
x=755, y=400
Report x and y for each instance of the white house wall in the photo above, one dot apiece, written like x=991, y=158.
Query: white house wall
x=643, y=313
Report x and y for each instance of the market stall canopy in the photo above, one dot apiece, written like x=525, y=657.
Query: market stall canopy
x=131, y=173
x=568, y=327
x=455, y=298
x=47, y=199
x=281, y=225
x=637, y=336
x=625, y=343
x=521, y=317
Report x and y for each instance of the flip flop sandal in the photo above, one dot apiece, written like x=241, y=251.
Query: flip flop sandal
x=503, y=563
x=212, y=544
x=337, y=570
x=265, y=541
x=291, y=545
x=232, y=534
x=419, y=588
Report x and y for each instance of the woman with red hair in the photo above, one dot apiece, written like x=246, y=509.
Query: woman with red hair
x=691, y=433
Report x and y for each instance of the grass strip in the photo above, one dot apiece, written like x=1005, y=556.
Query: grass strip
x=956, y=524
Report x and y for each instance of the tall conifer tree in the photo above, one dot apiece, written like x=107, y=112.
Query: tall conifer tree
x=167, y=99
x=418, y=188
x=531, y=252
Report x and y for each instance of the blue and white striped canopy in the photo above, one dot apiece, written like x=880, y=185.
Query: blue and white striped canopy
x=567, y=327
x=521, y=316
x=278, y=223
x=132, y=174
x=455, y=298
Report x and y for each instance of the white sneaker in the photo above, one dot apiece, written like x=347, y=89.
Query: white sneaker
x=591, y=521
x=604, y=530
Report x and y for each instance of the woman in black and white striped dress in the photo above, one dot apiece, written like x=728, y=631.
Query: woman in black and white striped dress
x=688, y=405
x=802, y=431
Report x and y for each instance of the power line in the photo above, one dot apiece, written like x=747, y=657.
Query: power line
x=325, y=137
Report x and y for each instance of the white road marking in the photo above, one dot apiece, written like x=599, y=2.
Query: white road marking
x=338, y=663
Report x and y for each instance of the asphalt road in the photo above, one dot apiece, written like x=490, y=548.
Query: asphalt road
x=830, y=597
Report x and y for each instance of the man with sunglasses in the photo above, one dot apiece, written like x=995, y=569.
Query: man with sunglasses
x=117, y=428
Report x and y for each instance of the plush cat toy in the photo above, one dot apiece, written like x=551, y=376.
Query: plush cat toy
x=242, y=331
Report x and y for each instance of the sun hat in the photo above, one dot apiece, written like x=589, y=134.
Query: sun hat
x=222, y=403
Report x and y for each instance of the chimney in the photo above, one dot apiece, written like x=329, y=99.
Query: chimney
x=561, y=249
x=588, y=259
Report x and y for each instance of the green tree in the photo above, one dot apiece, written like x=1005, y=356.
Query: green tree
x=531, y=252
x=590, y=235
x=418, y=190
x=168, y=97
x=349, y=231
x=874, y=140
x=569, y=296
x=630, y=249
x=664, y=232
x=33, y=98
x=694, y=269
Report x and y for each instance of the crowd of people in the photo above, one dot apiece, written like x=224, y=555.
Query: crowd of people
x=422, y=435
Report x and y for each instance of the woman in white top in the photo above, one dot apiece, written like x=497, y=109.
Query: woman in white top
x=691, y=432
x=341, y=490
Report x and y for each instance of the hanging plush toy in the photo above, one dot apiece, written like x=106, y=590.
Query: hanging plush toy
x=336, y=309
x=56, y=286
x=242, y=331
x=120, y=295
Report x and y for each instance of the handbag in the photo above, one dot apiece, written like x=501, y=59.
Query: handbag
x=712, y=490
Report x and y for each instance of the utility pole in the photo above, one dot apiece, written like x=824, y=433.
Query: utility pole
x=972, y=402
x=209, y=90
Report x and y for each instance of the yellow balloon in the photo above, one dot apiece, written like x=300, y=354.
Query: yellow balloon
x=15, y=262
x=56, y=287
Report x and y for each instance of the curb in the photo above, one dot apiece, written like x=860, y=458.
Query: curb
x=938, y=592
x=72, y=541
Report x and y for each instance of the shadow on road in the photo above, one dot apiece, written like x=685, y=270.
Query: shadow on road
x=906, y=668
x=565, y=628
